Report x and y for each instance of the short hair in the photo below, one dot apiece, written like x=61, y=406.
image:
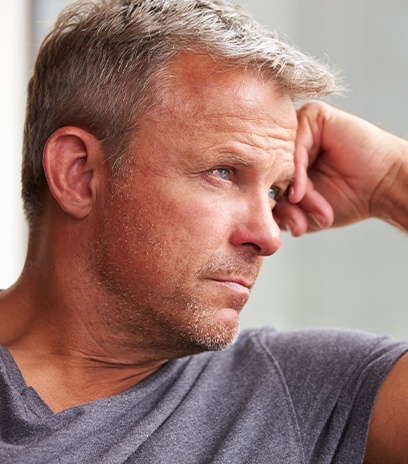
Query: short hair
x=96, y=69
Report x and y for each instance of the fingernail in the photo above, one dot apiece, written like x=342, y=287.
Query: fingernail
x=319, y=220
x=291, y=225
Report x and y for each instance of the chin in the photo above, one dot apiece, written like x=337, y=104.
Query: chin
x=222, y=341
x=215, y=335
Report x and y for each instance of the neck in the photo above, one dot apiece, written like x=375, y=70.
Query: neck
x=62, y=371
x=65, y=381
x=53, y=330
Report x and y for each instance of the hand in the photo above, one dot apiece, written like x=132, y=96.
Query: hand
x=345, y=170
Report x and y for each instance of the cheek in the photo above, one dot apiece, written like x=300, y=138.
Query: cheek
x=164, y=234
x=188, y=219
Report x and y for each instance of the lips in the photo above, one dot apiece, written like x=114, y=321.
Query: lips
x=237, y=281
x=236, y=275
x=238, y=287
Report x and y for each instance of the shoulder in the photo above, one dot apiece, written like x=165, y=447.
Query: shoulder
x=331, y=367
x=316, y=346
x=323, y=359
x=332, y=378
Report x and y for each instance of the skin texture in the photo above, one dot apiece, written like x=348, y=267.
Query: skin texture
x=123, y=274
x=349, y=170
x=205, y=221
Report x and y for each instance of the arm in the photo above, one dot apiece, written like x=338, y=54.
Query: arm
x=347, y=170
x=387, y=435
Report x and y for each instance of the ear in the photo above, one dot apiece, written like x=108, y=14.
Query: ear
x=73, y=160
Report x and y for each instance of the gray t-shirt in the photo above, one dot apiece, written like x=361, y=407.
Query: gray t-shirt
x=290, y=397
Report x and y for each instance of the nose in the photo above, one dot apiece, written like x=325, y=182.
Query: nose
x=256, y=229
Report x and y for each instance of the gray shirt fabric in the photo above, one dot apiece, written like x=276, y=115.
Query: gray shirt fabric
x=274, y=397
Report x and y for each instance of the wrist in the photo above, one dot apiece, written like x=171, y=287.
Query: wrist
x=390, y=199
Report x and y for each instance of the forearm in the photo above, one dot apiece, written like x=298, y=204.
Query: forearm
x=390, y=200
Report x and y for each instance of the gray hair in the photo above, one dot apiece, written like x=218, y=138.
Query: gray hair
x=97, y=69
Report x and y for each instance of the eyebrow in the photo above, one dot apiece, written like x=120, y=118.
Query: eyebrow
x=229, y=158
x=289, y=179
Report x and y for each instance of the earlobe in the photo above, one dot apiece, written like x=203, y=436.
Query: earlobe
x=73, y=160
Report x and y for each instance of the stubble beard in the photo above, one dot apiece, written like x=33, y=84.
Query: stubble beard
x=143, y=321
x=201, y=329
x=216, y=339
x=177, y=324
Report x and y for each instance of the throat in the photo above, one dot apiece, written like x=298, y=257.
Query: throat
x=64, y=383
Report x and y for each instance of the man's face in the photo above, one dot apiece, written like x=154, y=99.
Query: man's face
x=183, y=233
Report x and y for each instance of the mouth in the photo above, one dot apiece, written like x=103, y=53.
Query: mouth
x=238, y=281
x=236, y=285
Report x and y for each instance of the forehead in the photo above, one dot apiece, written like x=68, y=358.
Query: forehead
x=205, y=103
x=198, y=84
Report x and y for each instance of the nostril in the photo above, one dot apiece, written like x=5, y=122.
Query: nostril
x=256, y=247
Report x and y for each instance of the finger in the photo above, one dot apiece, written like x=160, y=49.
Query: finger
x=292, y=218
x=307, y=146
x=317, y=207
x=298, y=188
x=313, y=213
x=295, y=220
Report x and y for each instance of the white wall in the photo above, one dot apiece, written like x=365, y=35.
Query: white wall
x=13, y=53
x=354, y=277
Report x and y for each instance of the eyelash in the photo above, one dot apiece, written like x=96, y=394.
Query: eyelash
x=229, y=172
x=275, y=196
x=277, y=193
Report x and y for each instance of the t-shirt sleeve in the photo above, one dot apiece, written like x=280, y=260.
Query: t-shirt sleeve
x=333, y=378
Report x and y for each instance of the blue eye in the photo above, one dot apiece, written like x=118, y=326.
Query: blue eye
x=224, y=173
x=273, y=193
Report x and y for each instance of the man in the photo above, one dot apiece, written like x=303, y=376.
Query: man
x=159, y=137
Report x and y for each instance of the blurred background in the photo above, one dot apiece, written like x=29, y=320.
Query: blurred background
x=354, y=277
